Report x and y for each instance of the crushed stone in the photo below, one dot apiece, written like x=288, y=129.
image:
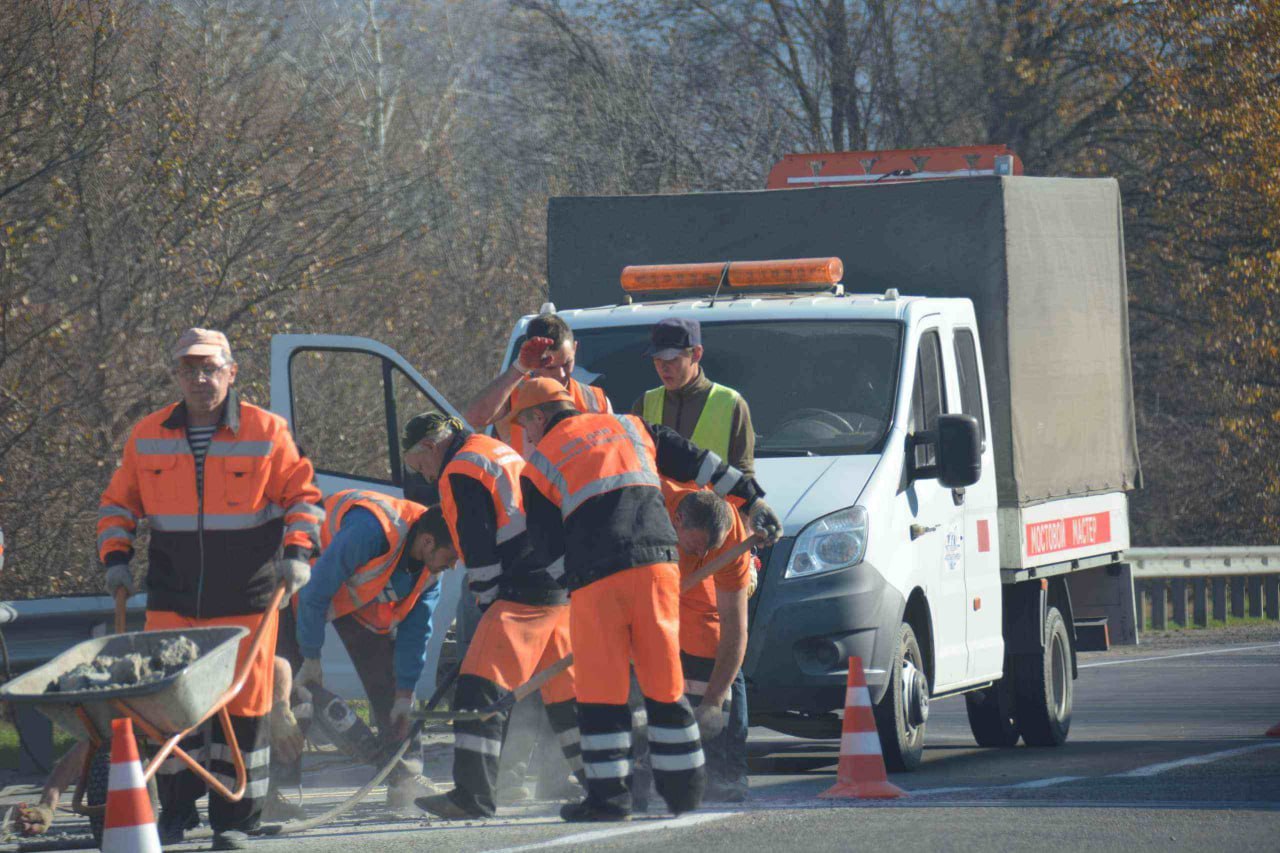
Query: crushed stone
x=106, y=672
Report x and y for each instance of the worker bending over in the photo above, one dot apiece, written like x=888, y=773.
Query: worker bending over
x=713, y=627
x=549, y=351
x=376, y=580
x=525, y=624
x=223, y=487
x=593, y=497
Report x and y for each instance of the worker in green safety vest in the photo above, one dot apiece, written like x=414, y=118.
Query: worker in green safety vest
x=716, y=418
x=712, y=416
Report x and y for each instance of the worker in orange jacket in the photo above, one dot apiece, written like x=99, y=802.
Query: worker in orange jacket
x=525, y=623
x=592, y=495
x=223, y=488
x=549, y=351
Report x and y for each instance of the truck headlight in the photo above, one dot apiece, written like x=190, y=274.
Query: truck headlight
x=834, y=541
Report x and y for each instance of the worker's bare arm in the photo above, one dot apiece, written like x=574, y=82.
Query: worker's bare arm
x=487, y=406
x=732, y=606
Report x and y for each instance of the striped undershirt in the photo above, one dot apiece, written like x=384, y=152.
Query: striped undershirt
x=198, y=439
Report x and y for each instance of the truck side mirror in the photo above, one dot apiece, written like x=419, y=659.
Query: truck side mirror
x=959, y=451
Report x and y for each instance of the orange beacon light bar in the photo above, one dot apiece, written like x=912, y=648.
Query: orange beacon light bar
x=818, y=273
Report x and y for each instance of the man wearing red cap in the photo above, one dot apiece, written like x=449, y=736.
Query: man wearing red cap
x=592, y=496
x=549, y=351
x=223, y=487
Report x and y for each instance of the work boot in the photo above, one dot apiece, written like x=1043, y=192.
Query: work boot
x=726, y=791
x=173, y=825
x=588, y=812
x=443, y=806
x=280, y=809
x=231, y=839
x=512, y=794
x=406, y=791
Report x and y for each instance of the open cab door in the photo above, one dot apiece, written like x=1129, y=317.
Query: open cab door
x=347, y=400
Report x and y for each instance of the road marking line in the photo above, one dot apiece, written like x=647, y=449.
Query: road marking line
x=1154, y=769
x=1045, y=783
x=1180, y=655
x=683, y=822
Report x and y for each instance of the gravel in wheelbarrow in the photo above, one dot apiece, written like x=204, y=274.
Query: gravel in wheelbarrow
x=172, y=702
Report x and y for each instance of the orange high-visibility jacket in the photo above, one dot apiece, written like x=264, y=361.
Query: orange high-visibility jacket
x=211, y=549
x=480, y=497
x=368, y=592
x=586, y=398
x=592, y=492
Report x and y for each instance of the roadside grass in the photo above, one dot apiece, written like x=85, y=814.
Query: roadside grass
x=1231, y=621
x=10, y=749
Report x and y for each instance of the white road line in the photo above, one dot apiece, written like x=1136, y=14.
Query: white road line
x=1046, y=783
x=1180, y=655
x=1154, y=769
x=582, y=838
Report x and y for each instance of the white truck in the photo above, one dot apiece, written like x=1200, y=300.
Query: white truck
x=948, y=434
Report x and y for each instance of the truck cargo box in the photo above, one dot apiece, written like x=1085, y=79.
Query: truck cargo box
x=1041, y=258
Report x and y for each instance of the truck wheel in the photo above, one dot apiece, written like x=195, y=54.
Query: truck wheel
x=992, y=716
x=95, y=792
x=1043, y=687
x=904, y=708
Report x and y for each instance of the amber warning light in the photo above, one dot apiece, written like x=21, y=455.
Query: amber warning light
x=806, y=273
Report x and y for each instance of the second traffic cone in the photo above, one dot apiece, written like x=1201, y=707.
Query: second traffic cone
x=1274, y=731
x=129, y=826
x=860, y=774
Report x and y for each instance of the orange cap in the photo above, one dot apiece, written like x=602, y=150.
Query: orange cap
x=202, y=342
x=535, y=392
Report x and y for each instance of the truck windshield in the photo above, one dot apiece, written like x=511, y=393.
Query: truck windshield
x=815, y=388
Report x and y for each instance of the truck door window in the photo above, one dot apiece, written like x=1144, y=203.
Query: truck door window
x=340, y=412
x=970, y=382
x=928, y=398
x=409, y=401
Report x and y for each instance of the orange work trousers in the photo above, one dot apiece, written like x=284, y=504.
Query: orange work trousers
x=515, y=641
x=628, y=618
x=254, y=699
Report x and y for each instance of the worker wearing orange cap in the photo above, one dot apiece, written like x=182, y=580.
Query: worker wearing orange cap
x=593, y=497
x=549, y=351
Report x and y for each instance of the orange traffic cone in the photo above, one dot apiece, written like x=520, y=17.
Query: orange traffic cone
x=861, y=772
x=1274, y=731
x=129, y=827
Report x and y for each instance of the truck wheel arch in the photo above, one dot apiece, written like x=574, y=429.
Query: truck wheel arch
x=916, y=613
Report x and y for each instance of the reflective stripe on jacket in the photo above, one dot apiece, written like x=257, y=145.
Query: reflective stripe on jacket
x=482, y=504
x=368, y=593
x=715, y=424
x=211, y=548
x=586, y=398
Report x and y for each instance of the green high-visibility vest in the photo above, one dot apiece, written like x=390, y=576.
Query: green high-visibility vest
x=714, y=424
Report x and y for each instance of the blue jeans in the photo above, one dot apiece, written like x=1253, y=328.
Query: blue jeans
x=727, y=753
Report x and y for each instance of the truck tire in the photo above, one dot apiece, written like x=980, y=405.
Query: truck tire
x=95, y=792
x=903, y=711
x=992, y=713
x=1043, y=687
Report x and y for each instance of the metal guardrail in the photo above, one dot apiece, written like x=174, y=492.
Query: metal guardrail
x=1242, y=582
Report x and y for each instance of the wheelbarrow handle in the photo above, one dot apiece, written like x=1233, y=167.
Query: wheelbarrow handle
x=122, y=606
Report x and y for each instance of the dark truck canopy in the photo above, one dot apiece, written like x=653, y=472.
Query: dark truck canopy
x=1041, y=258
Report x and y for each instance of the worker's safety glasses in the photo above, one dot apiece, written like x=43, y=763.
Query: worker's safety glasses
x=190, y=371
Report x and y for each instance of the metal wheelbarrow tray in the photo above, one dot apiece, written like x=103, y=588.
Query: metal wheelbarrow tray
x=175, y=703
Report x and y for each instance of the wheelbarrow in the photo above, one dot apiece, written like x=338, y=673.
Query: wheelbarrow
x=165, y=711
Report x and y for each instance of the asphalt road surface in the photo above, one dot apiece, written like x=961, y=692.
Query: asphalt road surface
x=1166, y=752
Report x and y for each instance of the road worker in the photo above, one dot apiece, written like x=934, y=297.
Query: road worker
x=376, y=581
x=223, y=488
x=549, y=351
x=713, y=628
x=717, y=418
x=525, y=624
x=593, y=497
x=712, y=416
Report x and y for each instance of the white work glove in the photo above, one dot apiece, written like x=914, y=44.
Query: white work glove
x=753, y=581
x=119, y=575
x=710, y=719
x=286, y=736
x=400, y=711
x=294, y=573
x=309, y=673
x=764, y=522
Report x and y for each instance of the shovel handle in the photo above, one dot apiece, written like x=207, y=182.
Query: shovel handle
x=122, y=603
x=697, y=577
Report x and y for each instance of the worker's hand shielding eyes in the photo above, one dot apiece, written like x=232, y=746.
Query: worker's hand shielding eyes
x=534, y=354
x=310, y=672
x=764, y=522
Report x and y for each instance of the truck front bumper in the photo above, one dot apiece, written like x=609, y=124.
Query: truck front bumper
x=805, y=629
